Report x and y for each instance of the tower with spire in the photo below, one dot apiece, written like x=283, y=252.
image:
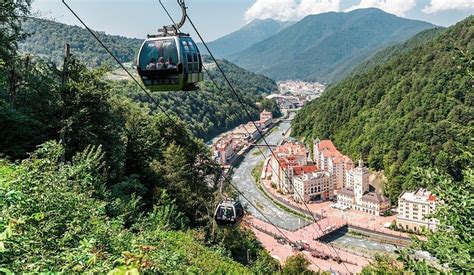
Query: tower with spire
x=361, y=181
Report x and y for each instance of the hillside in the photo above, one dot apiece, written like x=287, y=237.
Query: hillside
x=254, y=32
x=415, y=110
x=47, y=40
x=385, y=54
x=205, y=111
x=326, y=47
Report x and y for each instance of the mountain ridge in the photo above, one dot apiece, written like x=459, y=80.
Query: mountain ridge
x=254, y=32
x=320, y=44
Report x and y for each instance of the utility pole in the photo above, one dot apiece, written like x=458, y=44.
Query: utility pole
x=62, y=132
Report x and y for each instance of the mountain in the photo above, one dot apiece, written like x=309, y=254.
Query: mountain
x=254, y=32
x=326, y=47
x=415, y=110
x=47, y=39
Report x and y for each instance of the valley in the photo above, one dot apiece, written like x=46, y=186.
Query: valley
x=326, y=138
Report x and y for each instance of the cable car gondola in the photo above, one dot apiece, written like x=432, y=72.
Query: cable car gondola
x=229, y=212
x=170, y=60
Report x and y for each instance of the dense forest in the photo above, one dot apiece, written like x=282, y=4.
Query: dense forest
x=415, y=110
x=46, y=39
x=385, y=54
x=90, y=181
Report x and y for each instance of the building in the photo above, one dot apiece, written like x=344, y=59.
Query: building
x=248, y=132
x=413, y=209
x=359, y=197
x=225, y=149
x=328, y=158
x=266, y=119
x=282, y=161
x=314, y=186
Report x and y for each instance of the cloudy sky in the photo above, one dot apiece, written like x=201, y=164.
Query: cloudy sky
x=215, y=18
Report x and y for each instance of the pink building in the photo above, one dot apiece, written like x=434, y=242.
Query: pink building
x=225, y=149
x=290, y=158
x=266, y=118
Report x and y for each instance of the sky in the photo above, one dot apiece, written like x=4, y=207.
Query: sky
x=216, y=18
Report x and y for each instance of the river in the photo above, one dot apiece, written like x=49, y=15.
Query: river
x=242, y=177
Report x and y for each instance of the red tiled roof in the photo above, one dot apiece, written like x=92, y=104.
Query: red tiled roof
x=432, y=197
x=304, y=169
x=327, y=148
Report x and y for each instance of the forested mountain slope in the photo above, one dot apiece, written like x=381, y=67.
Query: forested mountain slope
x=47, y=40
x=326, y=47
x=254, y=32
x=206, y=111
x=385, y=54
x=415, y=110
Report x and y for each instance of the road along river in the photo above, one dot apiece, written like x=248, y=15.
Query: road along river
x=242, y=177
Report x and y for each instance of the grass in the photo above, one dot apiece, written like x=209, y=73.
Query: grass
x=257, y=171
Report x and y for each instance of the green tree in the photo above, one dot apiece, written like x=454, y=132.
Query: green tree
x=296, y=264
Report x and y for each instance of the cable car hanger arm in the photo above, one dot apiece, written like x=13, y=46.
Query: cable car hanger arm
x=174, y=29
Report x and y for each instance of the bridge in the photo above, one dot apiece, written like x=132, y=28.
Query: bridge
x=263, y=145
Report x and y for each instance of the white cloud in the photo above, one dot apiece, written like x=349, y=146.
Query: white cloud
x=442, y=5
x=397, y=7
x=287, y=10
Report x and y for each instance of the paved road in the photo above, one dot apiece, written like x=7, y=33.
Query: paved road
x=242, y=177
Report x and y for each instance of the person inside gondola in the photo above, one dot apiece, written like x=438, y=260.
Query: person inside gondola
x=228, y=213
x=161, y=64
x=170, y=64
x=151, y=65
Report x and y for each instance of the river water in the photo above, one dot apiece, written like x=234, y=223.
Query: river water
x=242, y=177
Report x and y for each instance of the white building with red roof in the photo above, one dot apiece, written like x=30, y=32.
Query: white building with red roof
x=358, y=195
x=288, y=160
x=328, y=158
x=314, y=186
x=414, y=208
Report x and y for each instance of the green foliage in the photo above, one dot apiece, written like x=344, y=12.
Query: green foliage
x=12, y=14
x=382, y=264
x=385, y=54
x=207, y=112
x=452, y=243
x=127, y=191
x=53, y=220
x=47, y=39
x=265, y=264
x=416, y=110
x=296, y=264
x=326, y=47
